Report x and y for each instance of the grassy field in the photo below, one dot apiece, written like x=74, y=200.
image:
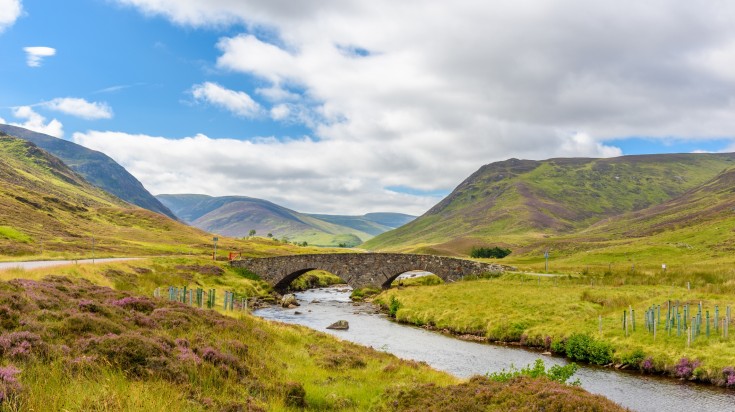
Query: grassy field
x=91, y=336
x=547, y=312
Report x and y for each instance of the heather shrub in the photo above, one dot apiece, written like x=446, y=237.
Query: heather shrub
x=9, y=384
x=685, y=368
x=8, y=317
x=728, y=374
x=87, y=323
x=86, y=305
x=134, y=354
x=138, y=304
x=22, y=345
x=224, y=361
x=171, y=317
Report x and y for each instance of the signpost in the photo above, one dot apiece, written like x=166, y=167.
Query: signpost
x=214, y=255
x=546, y=256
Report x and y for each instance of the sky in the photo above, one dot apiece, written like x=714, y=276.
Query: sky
x=355, y=106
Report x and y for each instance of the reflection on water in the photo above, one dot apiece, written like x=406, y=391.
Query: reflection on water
x=465, y=359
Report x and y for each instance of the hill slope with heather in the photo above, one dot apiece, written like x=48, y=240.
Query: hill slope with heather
x=97, y=168
x=238, y=215
x=522, y=203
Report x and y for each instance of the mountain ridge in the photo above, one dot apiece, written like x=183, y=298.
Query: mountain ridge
x=521, y=202
x=96, y=167
x=238, y=215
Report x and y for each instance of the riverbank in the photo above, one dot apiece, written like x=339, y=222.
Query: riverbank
x=582, y=321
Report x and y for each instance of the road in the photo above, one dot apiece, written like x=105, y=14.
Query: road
x=50, y=263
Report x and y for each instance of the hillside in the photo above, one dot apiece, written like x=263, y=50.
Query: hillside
x=520, y=203
x=694, y=227
x=48, y=210
x=237, y=215
x=97, y=168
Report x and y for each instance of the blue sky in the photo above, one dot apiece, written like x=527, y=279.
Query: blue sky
x=347, y=106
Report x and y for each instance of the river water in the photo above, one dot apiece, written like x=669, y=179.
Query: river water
x=321, y=307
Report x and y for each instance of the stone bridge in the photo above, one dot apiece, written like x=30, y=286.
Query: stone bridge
x=363, y=269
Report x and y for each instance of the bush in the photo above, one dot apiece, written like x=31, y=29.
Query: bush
x=393, y=306
x=556, y=373
x=584, y=348
x=489, y=252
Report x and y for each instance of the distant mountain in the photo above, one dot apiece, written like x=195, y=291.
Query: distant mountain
x=371, y=223
x=47, y=208
x=238, y=215
x=522, y=202
x=97, y=168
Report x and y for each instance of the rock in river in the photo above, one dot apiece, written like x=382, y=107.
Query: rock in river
x=289, y=301
x=339, y=325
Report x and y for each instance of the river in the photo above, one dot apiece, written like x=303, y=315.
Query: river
x=464, y=359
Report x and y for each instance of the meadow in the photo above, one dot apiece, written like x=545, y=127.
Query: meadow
x=581, y=317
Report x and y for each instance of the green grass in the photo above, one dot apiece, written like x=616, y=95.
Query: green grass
x=539, y=311
x=13, y=234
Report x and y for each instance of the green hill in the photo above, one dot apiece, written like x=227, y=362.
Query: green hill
x=48, y=210
x=237, y=215
x=523, y=203
x=97, y=168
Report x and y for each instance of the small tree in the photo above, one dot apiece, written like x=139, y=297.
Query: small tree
x=270, y=235
x=251, y=233
x=490, y=252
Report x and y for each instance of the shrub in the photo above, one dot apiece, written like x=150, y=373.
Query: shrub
x=556, y=373
x=583, y=348
x=21, y=345
x=489, y=252
x=728, y=373
x=134, y=354
x=685, y=368
x=9, y=385
x=138, y=304
x=393, y=306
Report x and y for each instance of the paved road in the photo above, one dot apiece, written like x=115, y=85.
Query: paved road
x=49, y=263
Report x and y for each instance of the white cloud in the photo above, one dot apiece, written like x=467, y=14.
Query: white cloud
x=440, y=88
x=10, y=10
x=239, y=103
x=35, y=55
x=36, y=122
x=80, y=108
x=280, y=112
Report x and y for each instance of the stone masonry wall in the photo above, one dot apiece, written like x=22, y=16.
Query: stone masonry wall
x=363, y=269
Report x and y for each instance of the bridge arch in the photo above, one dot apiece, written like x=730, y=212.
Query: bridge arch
x=363, y=269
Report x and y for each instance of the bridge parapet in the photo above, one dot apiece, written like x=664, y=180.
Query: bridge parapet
x=363, y=269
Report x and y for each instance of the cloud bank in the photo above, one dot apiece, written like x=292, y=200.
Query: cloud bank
x=419, y=94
